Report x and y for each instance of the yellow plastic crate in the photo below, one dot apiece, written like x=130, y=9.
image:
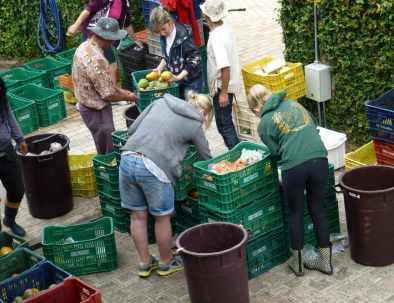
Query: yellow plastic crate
x=293, y=80
x=363, y=156
x=245, y=122
x=83, y=180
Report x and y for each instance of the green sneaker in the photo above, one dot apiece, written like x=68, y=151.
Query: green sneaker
x=145, y=270
x=173, y=266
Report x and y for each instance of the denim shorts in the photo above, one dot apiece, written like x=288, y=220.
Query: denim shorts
x=141, y=190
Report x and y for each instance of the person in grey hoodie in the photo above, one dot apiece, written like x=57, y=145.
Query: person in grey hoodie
x=150, y=165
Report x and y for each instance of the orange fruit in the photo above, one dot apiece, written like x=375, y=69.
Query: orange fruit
x=5, y=250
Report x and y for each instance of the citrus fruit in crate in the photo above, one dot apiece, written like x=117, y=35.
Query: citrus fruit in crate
x=165, y=76
x=152, y=76
x=5, y=250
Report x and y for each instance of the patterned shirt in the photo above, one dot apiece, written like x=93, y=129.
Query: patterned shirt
x=91, y=76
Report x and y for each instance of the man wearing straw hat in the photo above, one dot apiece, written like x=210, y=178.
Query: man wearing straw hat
x=93, y=85
x=223, y=68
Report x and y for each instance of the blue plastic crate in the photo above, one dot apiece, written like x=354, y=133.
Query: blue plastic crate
x=380, y=114
x=147, y=6
x=41, y=277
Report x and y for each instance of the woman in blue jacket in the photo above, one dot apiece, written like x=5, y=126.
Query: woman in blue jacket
x=181, y=56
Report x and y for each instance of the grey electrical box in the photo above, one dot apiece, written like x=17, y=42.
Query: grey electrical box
x=318, y=82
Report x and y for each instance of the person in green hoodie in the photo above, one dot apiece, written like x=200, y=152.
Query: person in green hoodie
x=290, y=133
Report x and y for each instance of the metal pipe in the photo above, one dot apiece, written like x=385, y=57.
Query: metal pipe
x=315, y=23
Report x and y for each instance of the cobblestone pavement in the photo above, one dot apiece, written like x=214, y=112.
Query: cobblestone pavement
x=257, y=35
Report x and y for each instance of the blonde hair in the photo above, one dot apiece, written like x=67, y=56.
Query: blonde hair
x=158, y=17
x=202, y=103
x=257, y=96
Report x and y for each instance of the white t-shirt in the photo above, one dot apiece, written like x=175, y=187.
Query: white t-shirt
x=222, y=52
x=170, y=40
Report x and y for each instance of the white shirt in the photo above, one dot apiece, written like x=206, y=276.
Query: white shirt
x=170, y=40
x=222, y=52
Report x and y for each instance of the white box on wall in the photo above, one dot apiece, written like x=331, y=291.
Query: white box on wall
x=318, y=82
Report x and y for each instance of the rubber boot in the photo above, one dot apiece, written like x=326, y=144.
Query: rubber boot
x=10, y=212
x=323, y=262
x=295, y=263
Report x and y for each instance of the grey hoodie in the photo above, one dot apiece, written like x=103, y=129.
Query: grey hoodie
x=164, y=131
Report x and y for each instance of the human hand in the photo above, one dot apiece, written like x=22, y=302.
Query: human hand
x=157, y=70
x=22, y=147
x=72, y=30
x=223, y=99
x=175, y=78
x=132, y=97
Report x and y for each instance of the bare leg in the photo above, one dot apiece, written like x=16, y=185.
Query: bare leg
x=163, y=232
x=139, y=234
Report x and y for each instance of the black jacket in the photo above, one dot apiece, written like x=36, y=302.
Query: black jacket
x=183, y=53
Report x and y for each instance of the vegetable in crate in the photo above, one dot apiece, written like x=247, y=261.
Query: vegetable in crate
x=290, y=133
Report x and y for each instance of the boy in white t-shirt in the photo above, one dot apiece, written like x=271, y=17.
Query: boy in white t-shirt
x=223, y=68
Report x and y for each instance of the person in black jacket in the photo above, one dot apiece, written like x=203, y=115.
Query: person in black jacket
x=10, y=170
x=181, y=56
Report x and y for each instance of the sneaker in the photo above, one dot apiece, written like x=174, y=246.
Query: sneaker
x=145, y=270
x=173, y=266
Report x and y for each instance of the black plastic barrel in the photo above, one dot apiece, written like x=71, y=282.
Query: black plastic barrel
x=130, y=114
x=214, y=257
x=369, y=205
x=47, y=177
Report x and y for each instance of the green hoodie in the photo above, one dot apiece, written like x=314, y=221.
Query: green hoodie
x=289, y=131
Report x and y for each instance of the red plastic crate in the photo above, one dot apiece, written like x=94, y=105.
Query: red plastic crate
x=72, y=290
x=384, y=152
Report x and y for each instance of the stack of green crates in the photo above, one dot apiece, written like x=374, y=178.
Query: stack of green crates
x=203, y=53
x=51, y=68
x=119, y=138
x=146, y=97
x=125, y=43
x=25, y=112
x=185, y=182
x=82, y=248
x=107, y=180
x=22, y=76
x=49, y=102
x=250, y=197
x=330, y=207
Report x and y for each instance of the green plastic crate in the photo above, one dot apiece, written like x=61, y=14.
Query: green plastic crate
x=240, y=197
x=260, y=216
x=185, y=182
x=121, y=219
x=18, y=261
x=146, y=97
x=24, y=76
x=119, y=138
x=51, y=67
x=125, y=43
x=11, y=84
x=49, y=102
x=66, y=56
x=104, y=170
x=12, y=241
x=25, y=112
x=265, y=252
x=82, y=248
x=189, y=205
x=203, y=54
x=227, y=188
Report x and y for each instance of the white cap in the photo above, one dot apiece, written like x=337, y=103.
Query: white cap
x=216, y=10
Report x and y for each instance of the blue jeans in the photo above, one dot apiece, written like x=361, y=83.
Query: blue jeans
x=196, y=85
x=224, y=120
x=141, y=190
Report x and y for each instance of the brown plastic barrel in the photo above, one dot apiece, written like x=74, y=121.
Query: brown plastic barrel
x=369, y=205
x=130, y=114
x=47, y=177
x=214, y=257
